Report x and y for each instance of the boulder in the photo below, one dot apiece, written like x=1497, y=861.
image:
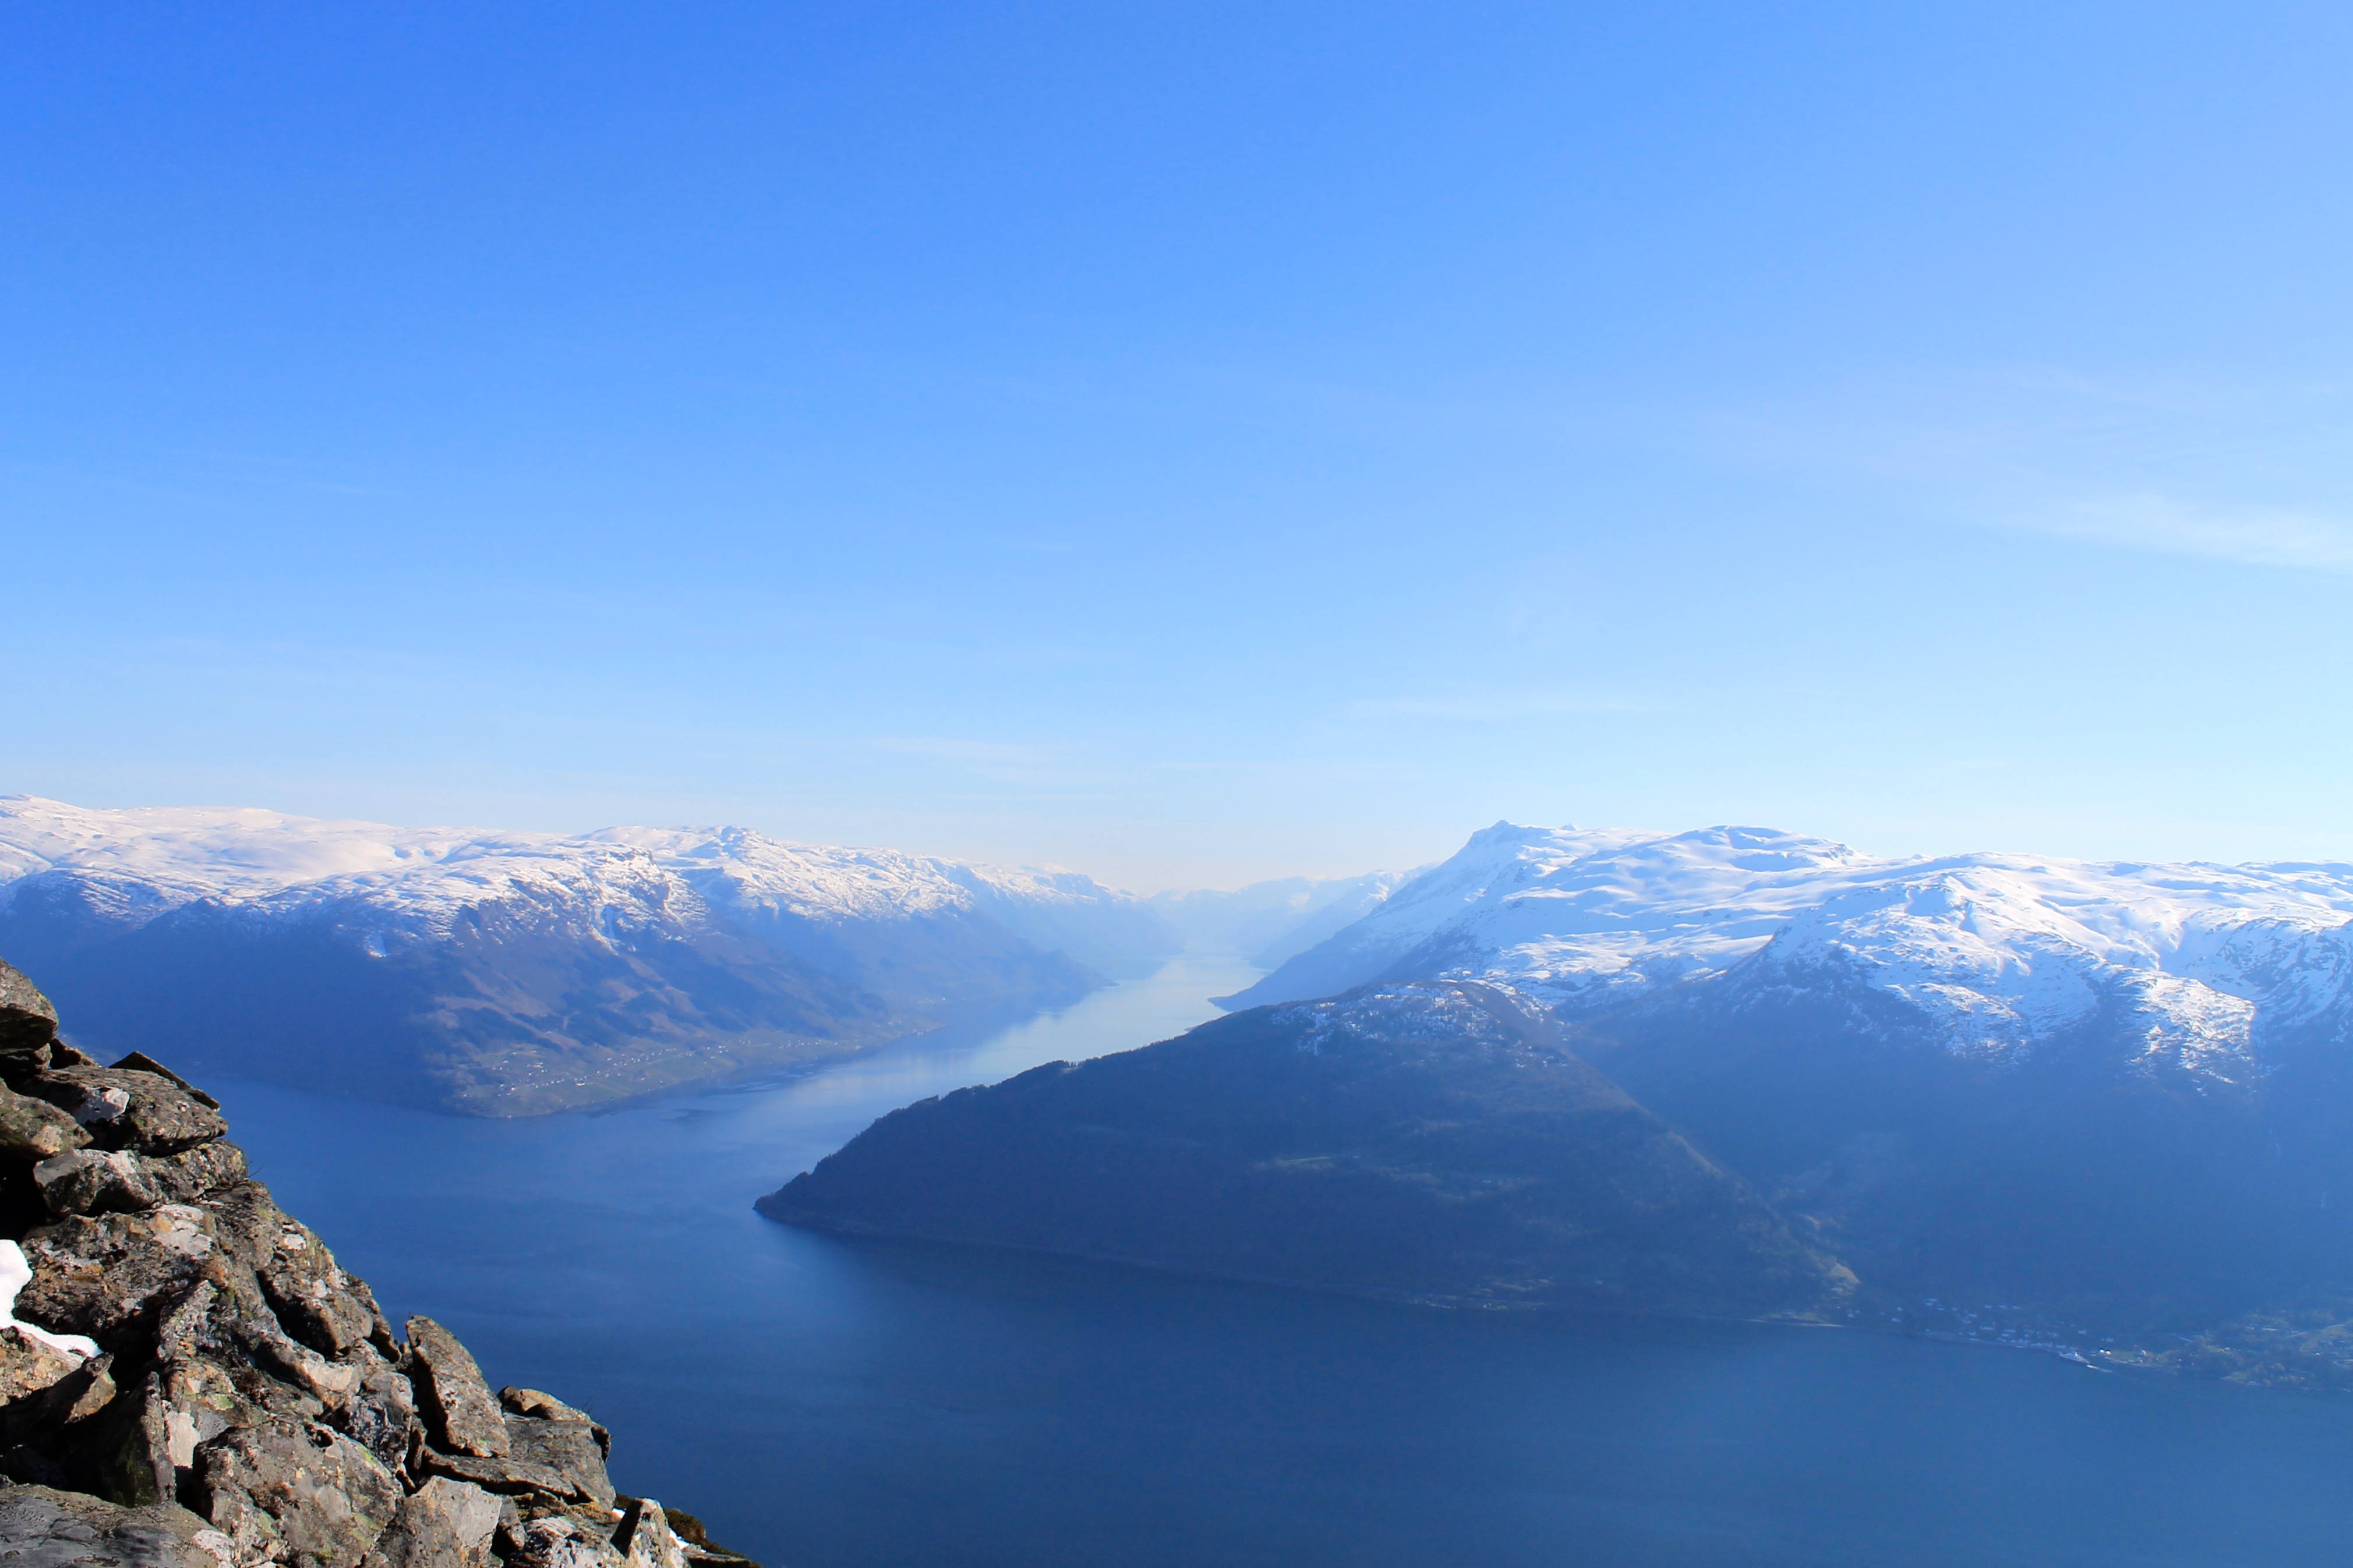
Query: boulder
x=133, y=1451
x=645, y=1539
x=550, y=1433
x=303, y=1495
x=33, y=1129
x=145, y=1112
x=382, y=1416
x=558, y=1541
x=30, y=1364
x=460, y=1414
x=41, y=1527
x=95, y=1180
x=443, y=1524
x=512, y=1475
x=318, y=1303
x=102, y=1275
x=140, y=1061
x=28, y=1021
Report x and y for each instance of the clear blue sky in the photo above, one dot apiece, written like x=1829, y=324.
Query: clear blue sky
x=1188, y=442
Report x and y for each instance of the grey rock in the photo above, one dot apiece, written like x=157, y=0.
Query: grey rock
x=556, y=1436
x=140, y=1061
x=512, y=1474
x=100, y=1275
x=306, y=1496
x=318, y=1303
x=223, y=1322
x=645, y=1539
x=460, y=1414
x=28, y=1367
x=41, y=1527
x=561, y=1542
x=33, y=1129
x=27, y=1020
x=51, y=1417
x=196, y=1173
x=544, y=1406
x=145, y=1112
x=443, y=1524
x=95, y=1180
x=382, y=1416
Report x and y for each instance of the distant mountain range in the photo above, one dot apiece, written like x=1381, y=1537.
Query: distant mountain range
x=2210, y=967
x=2106, y=1094
x=512, y=973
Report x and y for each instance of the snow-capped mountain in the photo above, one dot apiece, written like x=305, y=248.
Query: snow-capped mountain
x=593, y=962
x=2099, y=1087
x=1989, y=953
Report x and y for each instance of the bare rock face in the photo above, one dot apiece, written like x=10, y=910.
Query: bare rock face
x=33, y=1129
x=27, y=1022
x=442, y=1524
x=248, y=1404
x=455, y=1401
x=45, y=1528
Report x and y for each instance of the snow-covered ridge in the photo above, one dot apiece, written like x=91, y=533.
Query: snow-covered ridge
x=1992, y=950
x=395, y=886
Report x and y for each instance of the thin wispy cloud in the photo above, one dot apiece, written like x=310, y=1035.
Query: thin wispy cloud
x=2259, y=536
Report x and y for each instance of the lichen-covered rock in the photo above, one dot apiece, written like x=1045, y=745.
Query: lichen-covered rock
x=442, y=1524
x=455, y=1403
x=28, y=1021
x=33, y=1129
x=383, y=1417
x=305, y=1495
x=30, y=1365
x=318, y=1303
x=195, y=1175
x=145, y=1112
x=95, y=1180
x=102, y=1275
x=41, y=1527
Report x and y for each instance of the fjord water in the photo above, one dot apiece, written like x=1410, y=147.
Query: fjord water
x=825, y=1404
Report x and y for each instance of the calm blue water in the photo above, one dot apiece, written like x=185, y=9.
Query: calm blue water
x=824, y=1404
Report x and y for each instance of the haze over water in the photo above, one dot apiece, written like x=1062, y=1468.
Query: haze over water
x=825, y=1404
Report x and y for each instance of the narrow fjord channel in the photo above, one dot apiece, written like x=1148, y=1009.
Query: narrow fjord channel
x=832, y=1405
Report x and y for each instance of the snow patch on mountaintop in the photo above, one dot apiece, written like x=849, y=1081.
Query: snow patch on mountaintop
x=400, y=886
x=1993, y=951
x=222, y=849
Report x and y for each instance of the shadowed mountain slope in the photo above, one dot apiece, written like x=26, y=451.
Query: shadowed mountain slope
x=1429, y=1142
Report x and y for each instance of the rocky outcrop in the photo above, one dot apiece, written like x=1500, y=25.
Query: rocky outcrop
x=188, y=1380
